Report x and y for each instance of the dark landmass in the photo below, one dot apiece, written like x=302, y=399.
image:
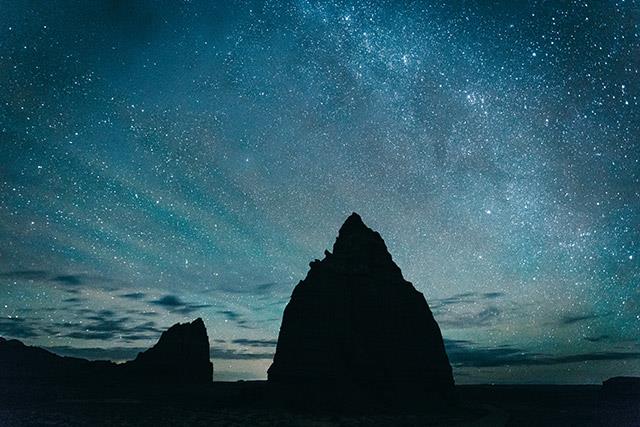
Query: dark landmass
x=356, y=332
x=624, y=386
x=181, y=356
x=252, y=403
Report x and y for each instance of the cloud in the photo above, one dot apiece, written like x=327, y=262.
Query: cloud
x=255, y=343
x=91, y=335
x=236, y=318
x=17, y=327
x=598, y=338
x=485, y=317
x=257, y=289
x=493, y=295
x=464, y=353
x=25, y=275
x=168, y=301
x=138, y=337
x=174, y=303
x=472, y=309
x=587, y=357
x=453, y=299
x=68, y=279
x=230, y=354
x=464, y=298
x=229, y=314
x=134, y=295
x=65, y=279
x=102, y=327
x=264, y=287
x=571, y=319
x=108, y=325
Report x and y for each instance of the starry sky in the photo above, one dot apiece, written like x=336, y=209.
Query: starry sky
x=162, y=161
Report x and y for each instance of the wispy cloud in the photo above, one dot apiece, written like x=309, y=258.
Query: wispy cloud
x=68, y=279
x=174, y=303
x=255, y=343
x=60, y=278
x=230, y=314
x=133, y=295
x=108, y=325
x=253, y=289
x=466, y=354
x=168, y=301
x=598, y=338
x=230, y=354
x=570, y=319
x=25, y=275
x=17, y=328
x=493, y=295
x=236, y=317
x=472, y=319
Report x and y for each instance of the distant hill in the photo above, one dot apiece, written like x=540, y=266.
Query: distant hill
x=181, y=356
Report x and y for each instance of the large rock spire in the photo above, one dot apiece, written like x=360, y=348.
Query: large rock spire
x=354, y=321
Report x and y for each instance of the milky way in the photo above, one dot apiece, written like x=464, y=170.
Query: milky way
x=164, y=161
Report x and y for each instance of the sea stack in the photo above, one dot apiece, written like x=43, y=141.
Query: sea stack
x=181, y=356
x=354, y=323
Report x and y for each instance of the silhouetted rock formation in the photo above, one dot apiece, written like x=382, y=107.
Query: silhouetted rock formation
x=629, y=386
x=181, y=356
x=354, y=323
x=19, y=362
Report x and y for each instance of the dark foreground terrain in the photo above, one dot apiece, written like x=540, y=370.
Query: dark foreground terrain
x=251, y=403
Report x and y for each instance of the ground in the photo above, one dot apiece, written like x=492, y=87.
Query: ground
x=239, y=404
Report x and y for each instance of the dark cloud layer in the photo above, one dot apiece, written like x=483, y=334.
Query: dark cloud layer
x=25, y=275
x=570, y=319
x=100, y=325
x=134, y=295
x=466, y=354
x=231, y=354
x=598, y=338
x=41, y=276
x=68, y=279
x=17, y=328
x=255, y=343
x=175, y=304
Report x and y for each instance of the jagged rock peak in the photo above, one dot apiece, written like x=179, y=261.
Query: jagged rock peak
x=354, y=227
x=181, y=355
x=353, y=222
x=195, y=329
x=358, y=248
x=354, y=322
x=182, y=339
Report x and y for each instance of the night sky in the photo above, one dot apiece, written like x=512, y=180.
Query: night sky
x=166, y=161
